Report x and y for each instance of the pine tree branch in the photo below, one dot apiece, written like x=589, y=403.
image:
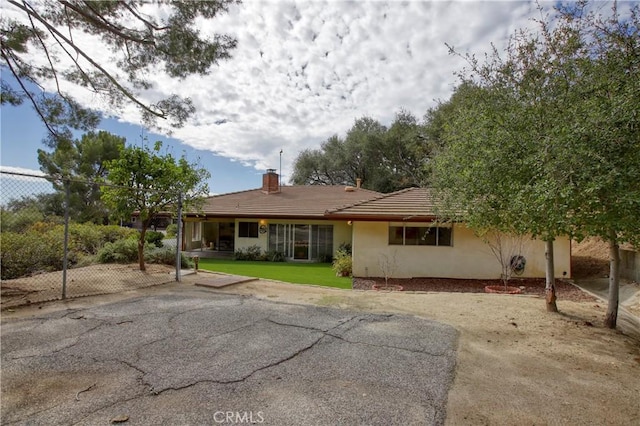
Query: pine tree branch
x=104, y=72
x=104, y=24
x=46, y=52
x=27, y=92
x=146, y=22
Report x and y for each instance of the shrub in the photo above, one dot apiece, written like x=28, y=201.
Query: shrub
x=172, y=230
x=112, y=233
x=30, y=252
x=274, y=256
x=345, y=247
x=154, y=237
x=21, y=220
x=249, y=253
x=85, y=238
x=343, y=263
x=121, y=251
x=167, y=256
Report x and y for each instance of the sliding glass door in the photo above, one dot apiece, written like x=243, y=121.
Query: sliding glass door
x=302, y=241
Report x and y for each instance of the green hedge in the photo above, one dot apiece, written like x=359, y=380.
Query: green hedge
x=30, y=252
x=40, y=247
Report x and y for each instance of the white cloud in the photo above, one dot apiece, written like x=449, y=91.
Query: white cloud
x=19, y=182
x=21, y=172
x=305, y=70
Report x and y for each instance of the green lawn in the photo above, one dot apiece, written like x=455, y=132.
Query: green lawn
x=290, y=272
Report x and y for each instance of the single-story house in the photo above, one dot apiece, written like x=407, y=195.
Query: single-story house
x=289, y=219
x=397, y=232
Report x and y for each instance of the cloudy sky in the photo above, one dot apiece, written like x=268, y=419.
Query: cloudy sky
x=305, y=70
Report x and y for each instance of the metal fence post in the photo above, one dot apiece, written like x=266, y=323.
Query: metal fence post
x=67, y=196
x=179, y=240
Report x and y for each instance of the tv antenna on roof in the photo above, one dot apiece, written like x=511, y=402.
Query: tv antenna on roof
x=280, y=173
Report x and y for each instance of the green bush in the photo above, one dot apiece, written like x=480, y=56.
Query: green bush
x=121, y=251
x=21, y=220
x=345, y=247
x=274, y=256
x=250, y=253
x=40, y=247
x=343, y=263
x=84, y=238
x=172, y=230
x=167, y=256
x=31, y=252
x=112, y=233
x=154, y=237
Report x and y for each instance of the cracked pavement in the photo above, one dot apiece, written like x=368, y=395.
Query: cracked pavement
x=183, y=356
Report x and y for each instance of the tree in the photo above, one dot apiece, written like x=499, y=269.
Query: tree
x=386, y=160
x=144, y=181
x=47, y=44
x=406, y=153
x=20, y=213
x=547, y=142
x=82, y=164
x=501, y=159
x=321, y=166
x=604, y=134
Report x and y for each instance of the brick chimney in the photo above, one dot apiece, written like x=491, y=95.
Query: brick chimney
x=270, y=182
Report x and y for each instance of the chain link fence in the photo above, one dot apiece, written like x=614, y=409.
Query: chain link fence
x=51, y=248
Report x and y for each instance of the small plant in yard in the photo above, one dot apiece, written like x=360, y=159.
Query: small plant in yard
x=345, y=247
x=167, y=256
x=343, y=263
x=274, y=256
x=509, y=251
x=388, y=264
x=250, y=253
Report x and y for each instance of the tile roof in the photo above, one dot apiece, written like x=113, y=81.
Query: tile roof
x=404, y=205
x=303, y=201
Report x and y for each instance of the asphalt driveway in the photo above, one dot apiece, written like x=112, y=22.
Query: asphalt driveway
x=193, y=356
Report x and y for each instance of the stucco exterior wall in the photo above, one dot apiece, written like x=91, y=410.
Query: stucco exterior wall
x=468, y=257
x=630, y=265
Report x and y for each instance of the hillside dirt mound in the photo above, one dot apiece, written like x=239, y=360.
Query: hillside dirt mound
x=589, y=258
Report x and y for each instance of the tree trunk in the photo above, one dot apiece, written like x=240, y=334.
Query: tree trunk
x=141, y=242
x=550, y=287
x=614, y=281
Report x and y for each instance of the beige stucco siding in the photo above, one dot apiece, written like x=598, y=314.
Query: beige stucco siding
x=468, y=257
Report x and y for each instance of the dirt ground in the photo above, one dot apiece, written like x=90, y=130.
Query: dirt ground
x=84, y=281
x=516, y=363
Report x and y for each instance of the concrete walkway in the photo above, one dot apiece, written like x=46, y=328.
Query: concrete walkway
x=628, y=321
